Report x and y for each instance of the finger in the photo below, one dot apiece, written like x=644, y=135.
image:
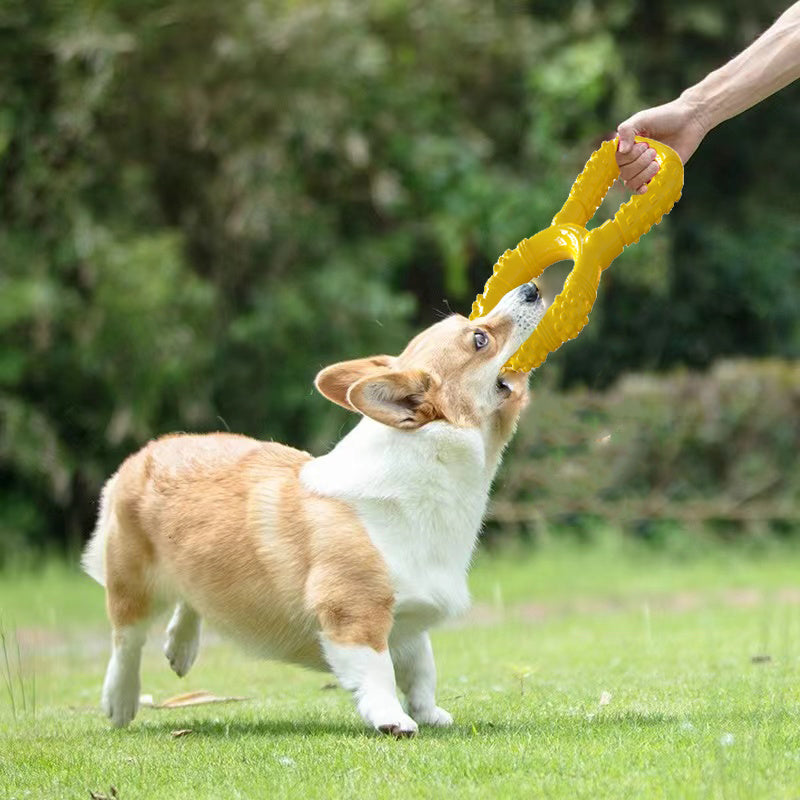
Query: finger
x=638, y=183
x=625, y=132
x=642, y=161
x=635, y=153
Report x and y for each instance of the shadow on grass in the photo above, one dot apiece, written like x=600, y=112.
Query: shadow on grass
x=276, y=728
x=226, y=729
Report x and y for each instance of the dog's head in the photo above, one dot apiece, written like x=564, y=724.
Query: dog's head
x=453, y=371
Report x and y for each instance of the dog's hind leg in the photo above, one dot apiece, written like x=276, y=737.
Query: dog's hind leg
x=129, y=601
x=121, y=687
x=183, y=638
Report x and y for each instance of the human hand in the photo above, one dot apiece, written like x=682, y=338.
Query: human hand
x=675, y=124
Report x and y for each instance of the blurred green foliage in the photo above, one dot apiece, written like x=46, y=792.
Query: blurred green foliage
x=203, y=203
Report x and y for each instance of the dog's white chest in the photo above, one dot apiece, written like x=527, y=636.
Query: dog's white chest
x=426, y=540
x=421, y=496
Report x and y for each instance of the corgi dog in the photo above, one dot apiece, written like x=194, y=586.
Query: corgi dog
x=341, y=562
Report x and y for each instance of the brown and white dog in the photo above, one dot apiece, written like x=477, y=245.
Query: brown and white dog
x=341, y=562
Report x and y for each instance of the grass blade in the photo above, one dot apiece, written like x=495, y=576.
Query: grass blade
x=19, y=673
x=7, y=673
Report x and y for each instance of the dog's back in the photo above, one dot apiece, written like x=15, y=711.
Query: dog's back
x=178, y=519
x=182, y=475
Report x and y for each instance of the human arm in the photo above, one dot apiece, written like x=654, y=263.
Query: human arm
x=771, y=62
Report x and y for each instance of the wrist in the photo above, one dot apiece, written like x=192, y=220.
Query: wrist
x=696, y=109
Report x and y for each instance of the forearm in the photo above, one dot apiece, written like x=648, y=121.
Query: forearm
x=767, y=65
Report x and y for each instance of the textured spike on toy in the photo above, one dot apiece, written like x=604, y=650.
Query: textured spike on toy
x=592, y=251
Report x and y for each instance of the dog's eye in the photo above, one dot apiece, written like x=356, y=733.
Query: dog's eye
x=481, y=340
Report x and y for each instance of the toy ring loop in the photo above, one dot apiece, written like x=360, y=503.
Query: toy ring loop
x=592, y=251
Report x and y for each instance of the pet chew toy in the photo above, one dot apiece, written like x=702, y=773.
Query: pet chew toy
x=592, y=251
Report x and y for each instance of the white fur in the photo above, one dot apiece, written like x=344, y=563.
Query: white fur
x=370, y=676
x=93, y=560
x=421, y=496
x=415, y=671
x=183, y=639
x=120, y=698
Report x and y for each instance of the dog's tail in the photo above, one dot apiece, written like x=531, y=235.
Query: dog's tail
x=93, y=560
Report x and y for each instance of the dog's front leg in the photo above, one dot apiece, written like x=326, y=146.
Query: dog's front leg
x=416, y=676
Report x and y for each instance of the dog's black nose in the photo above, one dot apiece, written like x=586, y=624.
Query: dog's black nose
x=530, y=292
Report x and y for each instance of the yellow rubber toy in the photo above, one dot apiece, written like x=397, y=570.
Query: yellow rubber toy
x=592, y=251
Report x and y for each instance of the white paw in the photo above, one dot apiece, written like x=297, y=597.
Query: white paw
x=400, y=726
x=387, y=716
x=120, y=701
x=432, y=716
x=181, y=650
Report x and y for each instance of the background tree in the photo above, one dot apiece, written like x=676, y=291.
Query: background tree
x=202, y=203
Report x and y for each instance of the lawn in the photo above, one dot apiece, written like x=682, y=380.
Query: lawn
x=611, y=671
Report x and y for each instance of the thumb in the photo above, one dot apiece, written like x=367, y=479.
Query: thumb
x=626, y=133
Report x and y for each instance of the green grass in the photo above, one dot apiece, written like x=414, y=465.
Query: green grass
x=670, y=637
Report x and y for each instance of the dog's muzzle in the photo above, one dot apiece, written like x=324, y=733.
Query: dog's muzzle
x=529, y=292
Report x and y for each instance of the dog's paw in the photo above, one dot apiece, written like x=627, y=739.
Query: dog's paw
x=183, y=639
x=432, y=716
x=120, y=703
x=181, y=651
x=386, y=715
x=401, y=728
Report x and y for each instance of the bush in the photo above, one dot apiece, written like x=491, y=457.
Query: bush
x=704, y=450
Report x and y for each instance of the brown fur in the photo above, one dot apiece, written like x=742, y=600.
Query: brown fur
x=225, y=520
x=424, y=382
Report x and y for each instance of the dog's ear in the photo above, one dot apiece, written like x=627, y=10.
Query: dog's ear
x=400, y=399
x=334, y=382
